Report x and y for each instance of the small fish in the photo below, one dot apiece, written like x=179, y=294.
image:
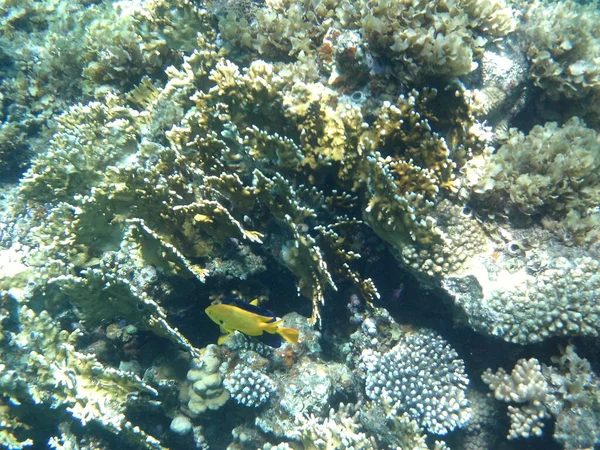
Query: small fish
x=248, y=318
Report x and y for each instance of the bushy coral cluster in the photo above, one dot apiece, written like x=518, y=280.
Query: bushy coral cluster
x=442, y=38
x=249, y=387
x=567, y=391
x=564, y=48
x=423, y=376
x=552, y=172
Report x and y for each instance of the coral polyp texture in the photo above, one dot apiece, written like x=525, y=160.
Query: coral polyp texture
x=396, y=180
x=248, y=387
x=421, y=376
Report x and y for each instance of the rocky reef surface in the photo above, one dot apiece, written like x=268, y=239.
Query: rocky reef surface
x=412, y=185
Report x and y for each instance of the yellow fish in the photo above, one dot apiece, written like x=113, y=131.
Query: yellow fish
x=248, y=318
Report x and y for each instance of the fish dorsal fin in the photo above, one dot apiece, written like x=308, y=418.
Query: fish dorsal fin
x=248, y=307
x=254, y=302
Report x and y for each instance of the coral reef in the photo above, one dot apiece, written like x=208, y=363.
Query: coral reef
x=339, y=429
x=342, y=162
x=58, y=53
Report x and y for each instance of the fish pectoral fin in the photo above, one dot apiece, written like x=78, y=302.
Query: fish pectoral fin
x=223, y=338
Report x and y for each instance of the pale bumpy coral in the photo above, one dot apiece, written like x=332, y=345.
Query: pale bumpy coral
x=339, y=429
x=249, y=387
x=540, y=279
x=305, y=389
x=204, y=389
x=568, y=392
x=525, y=384
x=529, y=289
x=423, y=376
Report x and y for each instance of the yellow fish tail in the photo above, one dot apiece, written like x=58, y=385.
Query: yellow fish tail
x=289, y=334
